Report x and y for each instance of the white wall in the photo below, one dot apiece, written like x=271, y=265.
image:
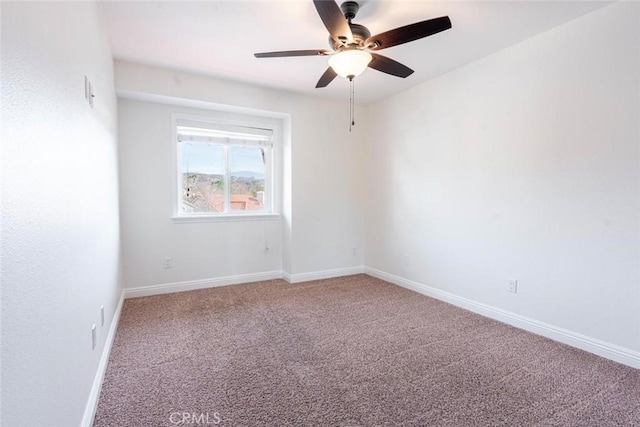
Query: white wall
x=322, y=184
x=60, y=232
x=523, y=165
x=198, y=250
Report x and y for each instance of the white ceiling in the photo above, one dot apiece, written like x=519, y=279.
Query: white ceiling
x=219, y=38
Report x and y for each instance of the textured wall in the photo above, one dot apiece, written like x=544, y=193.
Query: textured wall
x=321, y=193
x=60, y=227
x=521, y=165
x=199, y=250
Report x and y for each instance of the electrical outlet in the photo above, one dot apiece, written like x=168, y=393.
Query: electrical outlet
x=407, y=260
x=168, y=262
x=93, y=337
x=354, y=250
x=102, y=315
x=512, y=286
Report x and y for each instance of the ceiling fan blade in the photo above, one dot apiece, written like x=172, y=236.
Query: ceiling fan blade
x=334, y=20
x=389, y=66
x=408, y=33
x=285, y=53
x=326, y=78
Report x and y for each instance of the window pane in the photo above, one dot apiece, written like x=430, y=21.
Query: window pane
x=202, y=178
x=247, y=169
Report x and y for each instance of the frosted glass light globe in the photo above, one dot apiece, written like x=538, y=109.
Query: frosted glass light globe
x=350, y=63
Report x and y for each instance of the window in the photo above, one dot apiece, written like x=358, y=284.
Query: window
x=224, y=169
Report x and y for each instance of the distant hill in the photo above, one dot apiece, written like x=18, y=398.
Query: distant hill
x=248, y=174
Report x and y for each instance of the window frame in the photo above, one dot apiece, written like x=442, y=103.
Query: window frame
x=272, y=167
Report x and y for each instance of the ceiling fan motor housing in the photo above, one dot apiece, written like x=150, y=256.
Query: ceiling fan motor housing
x=360, y=34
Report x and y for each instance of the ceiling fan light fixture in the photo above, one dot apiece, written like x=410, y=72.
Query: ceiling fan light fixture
x=350, y=63
x=351, y=42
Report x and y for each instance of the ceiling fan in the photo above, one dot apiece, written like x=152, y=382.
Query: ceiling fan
x=353, y=47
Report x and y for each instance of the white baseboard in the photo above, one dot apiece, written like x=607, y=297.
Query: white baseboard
x=94, y=395
x=191, y=285
x=167, y=288
x=601, y=348
x=324, y=274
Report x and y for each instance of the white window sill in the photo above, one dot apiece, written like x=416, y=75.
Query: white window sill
x=187, y=219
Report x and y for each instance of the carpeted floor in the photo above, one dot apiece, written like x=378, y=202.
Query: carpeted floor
x=352, y=351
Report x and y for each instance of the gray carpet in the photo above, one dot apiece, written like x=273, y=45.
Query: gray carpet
x=352, y=351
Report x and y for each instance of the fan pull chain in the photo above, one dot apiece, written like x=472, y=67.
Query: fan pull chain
x=352, y=99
